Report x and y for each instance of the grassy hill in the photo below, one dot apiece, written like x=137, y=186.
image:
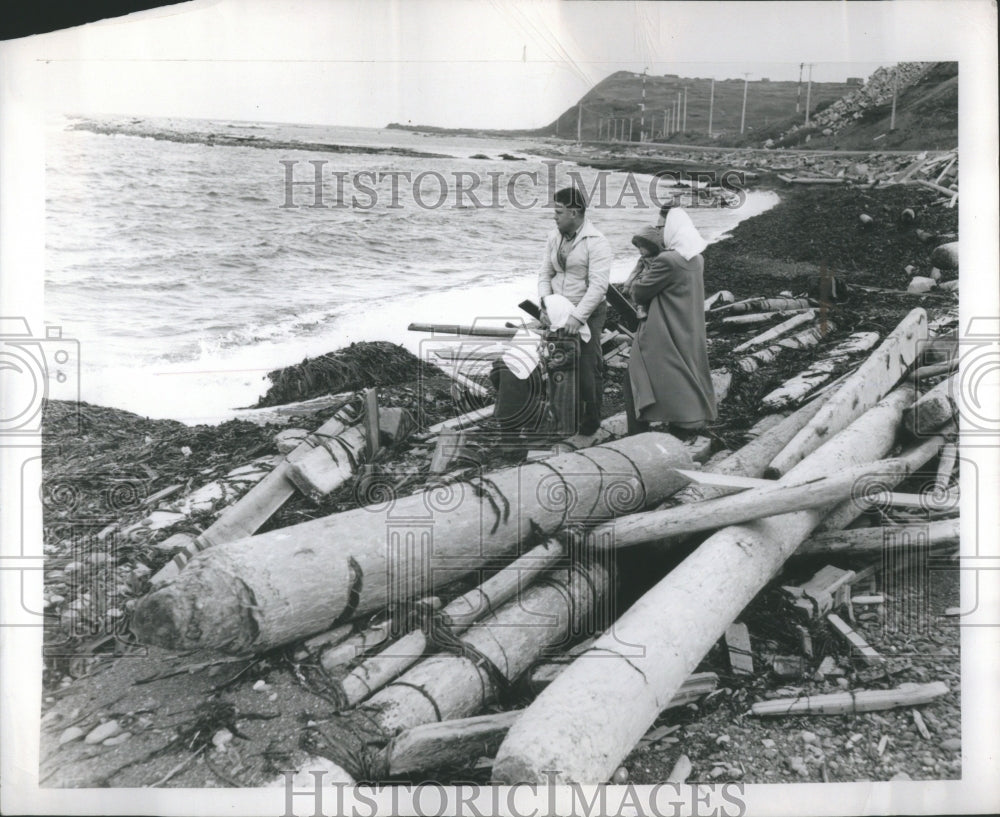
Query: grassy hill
x=620, y=95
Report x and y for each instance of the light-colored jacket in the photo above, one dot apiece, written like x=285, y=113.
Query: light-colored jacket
x=584, y=281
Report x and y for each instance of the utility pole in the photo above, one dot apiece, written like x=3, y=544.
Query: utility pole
x=809, y=88
x=895, y=86
x=743, y=116
x=579, y=120
x=798, y=98
x=684, y=122
x=711, y=104
x=677, y=116
x=642, y=109
x=630, y=128
x=666, y=123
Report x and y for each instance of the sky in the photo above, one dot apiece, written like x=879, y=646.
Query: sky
x=477, y=63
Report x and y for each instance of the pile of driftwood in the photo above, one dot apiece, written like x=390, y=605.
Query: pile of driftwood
x=487, y=579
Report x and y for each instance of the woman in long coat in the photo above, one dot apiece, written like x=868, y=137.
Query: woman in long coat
x=668, y=375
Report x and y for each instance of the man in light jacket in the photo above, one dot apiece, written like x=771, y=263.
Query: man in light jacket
x=577, y=265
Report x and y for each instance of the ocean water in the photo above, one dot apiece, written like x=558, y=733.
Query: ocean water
x=184, y=276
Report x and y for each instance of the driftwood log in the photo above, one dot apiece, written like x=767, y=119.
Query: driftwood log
x=939, y=533
x=846, y=703
x=578, y=725
x=862, y=390
x=287, y=584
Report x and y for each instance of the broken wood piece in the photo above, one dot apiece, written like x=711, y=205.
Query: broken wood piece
x=447, y=744
x=460, y=614
x=824, y=591
x=895, y=499
x=798, y=387
x=567, y=727
x=757, y=503
x=720, y=298
x=470, y=418
x=323, y=641
x=867, y=599
x=949, y=455
x=933, y=409
x=370, y=419
x=738, y=644
x=762, y=305
x=304, y=577
x=861, y=647
x=939, y=188
x=918, y=721
x=451, y=448
x=863, y=389
x=777, y=331
x=845, y=703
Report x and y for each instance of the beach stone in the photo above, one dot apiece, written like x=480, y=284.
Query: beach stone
x=798, y=765
x=101, y=733
x=945, y=256
x=920, y=284
x=768, y=743
x=951, y=744
x=809, y=737
x=118, y=739
x=949, y=286
x=71, y=734
x=221, y=738
x=304, y=778
x=899, y=776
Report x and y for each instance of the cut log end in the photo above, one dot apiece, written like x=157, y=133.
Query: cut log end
x=176, y=618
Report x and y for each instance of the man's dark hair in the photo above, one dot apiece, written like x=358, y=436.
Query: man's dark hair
x=570, y=197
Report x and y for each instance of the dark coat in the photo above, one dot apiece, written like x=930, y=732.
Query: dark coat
x=668, y=368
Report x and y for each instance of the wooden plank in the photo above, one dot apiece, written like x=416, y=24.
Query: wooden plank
x=450, y=447
x=738, y=644
x=448, y=743
x=949, y=454
x=460, y=329
x=946, y=190
x=372, y=444
x=846, y=703
x=858, y=644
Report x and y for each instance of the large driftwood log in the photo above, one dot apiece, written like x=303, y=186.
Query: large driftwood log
x=286, y=584
x=874, y=540
x=862, y=390
x=578, y=725
x=781, y=497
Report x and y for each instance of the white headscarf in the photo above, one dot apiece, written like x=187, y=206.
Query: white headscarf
x=680, y=234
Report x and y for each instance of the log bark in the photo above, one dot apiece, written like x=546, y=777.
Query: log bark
x=863, y=541
x=460, y=614
x=786, y=496
x=933, y=409
x=762, y=305
x=578, y=725
x=847, y=703
x=799, y=387
x=936, y=369
x=869, y=383
x=777, y=331
x=263, y=591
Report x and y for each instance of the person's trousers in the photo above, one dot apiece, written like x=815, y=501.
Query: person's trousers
x=591, y=373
